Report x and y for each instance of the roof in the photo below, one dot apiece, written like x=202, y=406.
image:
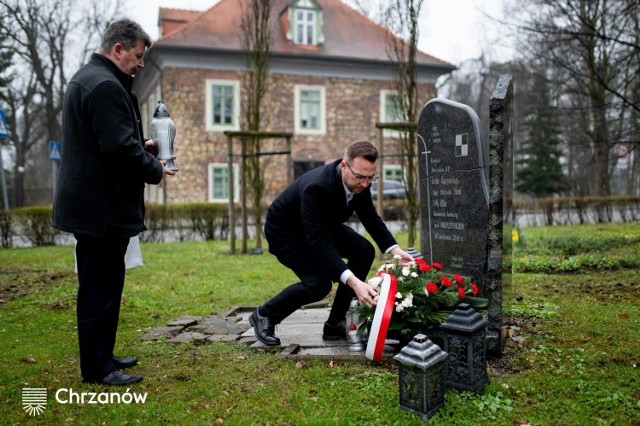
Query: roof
x=348, y=34
x=170, y=20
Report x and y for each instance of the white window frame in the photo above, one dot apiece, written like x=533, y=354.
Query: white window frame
x=236, y=185
x=210, y=126
x=392, y=169
x=383, y=112
x=321, y=129
x=307, y=25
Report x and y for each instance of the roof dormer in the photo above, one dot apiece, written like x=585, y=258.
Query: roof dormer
x=305, y=23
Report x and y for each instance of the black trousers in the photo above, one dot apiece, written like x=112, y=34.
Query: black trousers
x=315, y=281
x=101, y=272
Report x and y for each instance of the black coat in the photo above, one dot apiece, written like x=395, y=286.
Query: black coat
x=104, y=166
x=306, y=213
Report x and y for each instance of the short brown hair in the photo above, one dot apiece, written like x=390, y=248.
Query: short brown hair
x=361, y=148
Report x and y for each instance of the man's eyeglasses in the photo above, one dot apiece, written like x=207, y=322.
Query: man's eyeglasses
x=362, y=178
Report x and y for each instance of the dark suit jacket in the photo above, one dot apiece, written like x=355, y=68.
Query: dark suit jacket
x=306, y=213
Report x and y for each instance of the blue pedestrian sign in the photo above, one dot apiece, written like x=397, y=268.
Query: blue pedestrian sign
x=54, y=151
x=4, y=133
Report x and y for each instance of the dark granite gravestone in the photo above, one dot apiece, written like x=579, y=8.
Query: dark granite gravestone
x=454, y=188
x=501, y=214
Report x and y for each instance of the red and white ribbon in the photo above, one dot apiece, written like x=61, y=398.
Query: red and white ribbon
x=382, y=317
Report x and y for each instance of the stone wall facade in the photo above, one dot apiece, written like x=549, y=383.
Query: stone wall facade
x=352, y=110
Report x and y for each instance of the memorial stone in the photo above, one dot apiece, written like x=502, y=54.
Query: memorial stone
x=501, y=214
x=454, y=188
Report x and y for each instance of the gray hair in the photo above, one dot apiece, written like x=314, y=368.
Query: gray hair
x=126, y=32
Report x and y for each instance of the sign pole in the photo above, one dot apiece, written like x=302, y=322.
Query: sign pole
x=54, y=156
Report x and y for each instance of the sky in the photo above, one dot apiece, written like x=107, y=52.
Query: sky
x=451, y=30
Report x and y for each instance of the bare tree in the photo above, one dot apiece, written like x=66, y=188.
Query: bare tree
x=592, y=45
x=401, y=18
x=256, y=37
x=49, y=40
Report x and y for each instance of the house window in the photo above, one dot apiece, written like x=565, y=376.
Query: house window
x=222, y=105
x=305, y=27
x=305, y=23
x=309, y=110
x=393, y=172
x=219, y=183
x=302, y=167
x=390, y=110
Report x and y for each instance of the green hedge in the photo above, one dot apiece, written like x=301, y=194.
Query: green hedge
x=187, y=221
x=5, y=228
x=208, y=221
x=36, y=225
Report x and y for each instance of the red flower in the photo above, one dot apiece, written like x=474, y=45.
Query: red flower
x=459, y=280
x=437, y=266
x=432, y=288
x=475, y=289
x=461, y=292
x=353, y=327
x=445, y=282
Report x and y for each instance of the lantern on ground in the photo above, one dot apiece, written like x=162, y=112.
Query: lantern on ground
x=414, y=253
x=421, y=377
x=465, y=342
x=352, y=324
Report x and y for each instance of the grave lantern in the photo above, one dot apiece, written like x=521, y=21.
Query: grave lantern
x=421, y=377
x=352, y=324
x=414, y=253
x=163, y=132
x=465, y=342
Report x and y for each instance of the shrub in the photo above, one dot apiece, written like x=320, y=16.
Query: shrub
x=36, y=223
x=5, y=228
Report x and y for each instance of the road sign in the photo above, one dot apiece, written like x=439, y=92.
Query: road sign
x=54, y=151
x=4, y=133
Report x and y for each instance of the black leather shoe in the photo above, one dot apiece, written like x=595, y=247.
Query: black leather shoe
x=116, y=378
x=122, y=363
x=263, y=329
x=334, y=332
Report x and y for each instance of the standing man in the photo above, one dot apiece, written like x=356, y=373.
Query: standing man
x=306, y=232
x=99, y=196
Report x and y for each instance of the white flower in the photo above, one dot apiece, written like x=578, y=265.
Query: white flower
x=397, y=257
x=399, y=307
x=406, y=272
x=398, y=295
x=408, y=301
x=375, y=282
x=414, y=275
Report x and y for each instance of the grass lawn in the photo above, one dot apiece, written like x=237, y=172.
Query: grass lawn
x=575, y=299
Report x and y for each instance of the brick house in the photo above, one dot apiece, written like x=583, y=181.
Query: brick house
x=330, y=82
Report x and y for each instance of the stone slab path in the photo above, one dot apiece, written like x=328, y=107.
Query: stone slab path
x=300, y=334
